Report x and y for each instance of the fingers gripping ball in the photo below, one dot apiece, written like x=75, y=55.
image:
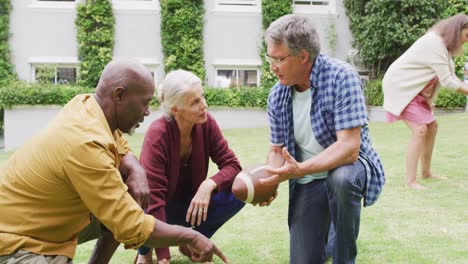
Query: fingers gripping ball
x=247, y=187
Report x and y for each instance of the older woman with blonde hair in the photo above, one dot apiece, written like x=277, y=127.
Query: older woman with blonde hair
x=175, y=154
x=411, y=85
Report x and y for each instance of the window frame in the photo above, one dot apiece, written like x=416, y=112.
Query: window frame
x=315, y=9
x=136, y=5
x=238, y=6
x=60, y=62
x=236, y=69
x=65, y=5
x=56, y=67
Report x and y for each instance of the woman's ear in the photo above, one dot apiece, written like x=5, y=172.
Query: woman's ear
x=174, y=109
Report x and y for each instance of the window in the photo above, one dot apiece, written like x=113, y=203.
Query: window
x=233, y=78
x=237, y=2
x=148, y=6
x=315, y=6
x=55, y=74
x=238, y=5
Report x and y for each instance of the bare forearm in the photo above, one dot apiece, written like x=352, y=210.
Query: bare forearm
x=275, y=159
x=165, y=235
x=334, y=156
x=104, y=249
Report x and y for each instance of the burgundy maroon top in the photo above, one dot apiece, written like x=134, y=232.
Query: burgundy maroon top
x=160, y=157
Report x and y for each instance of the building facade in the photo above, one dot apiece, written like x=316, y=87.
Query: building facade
x=43, y=37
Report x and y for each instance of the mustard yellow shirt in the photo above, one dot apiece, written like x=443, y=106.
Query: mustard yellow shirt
x=49, y=186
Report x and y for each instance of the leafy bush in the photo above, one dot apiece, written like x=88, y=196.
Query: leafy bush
x=450, y=100
x=384, y=29
x=182, y=35
x=20, y=93
x=458, y=7
x=238, y=97
x=445, y=99
x=373, y=92
x=271, y=10
x=6, y=68
x=95, y=33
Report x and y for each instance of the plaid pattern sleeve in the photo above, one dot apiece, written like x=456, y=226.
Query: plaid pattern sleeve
x=277, y=129
x=349, y=105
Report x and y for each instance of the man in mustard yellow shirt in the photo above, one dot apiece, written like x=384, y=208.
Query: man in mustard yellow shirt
x=78, y=170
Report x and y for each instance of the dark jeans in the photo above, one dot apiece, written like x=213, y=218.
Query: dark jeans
x=223, y=206
x=314, y=205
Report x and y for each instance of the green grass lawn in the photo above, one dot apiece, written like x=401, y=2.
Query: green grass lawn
x=404, y=226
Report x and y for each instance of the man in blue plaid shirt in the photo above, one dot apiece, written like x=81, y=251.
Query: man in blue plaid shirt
x=319, y=142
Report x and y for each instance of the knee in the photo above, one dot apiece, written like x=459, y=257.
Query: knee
x=339, y=178
x=432, y=127
x=420, y=130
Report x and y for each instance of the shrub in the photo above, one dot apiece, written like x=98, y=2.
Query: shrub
x=384, y=29
x=458, y=7
x=237, y=97
x=445, y=99
x=20, y=93
x=182, y=35
x=271, y=10
x=95, y=33
x=373, y=93
x=6, y=68
x=450, y=100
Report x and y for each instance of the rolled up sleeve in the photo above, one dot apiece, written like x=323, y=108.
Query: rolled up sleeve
x=91, y=169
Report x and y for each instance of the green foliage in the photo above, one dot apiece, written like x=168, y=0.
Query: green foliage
x=445, y=99
x=45, y=74
x=450, y=100
x=384, y=29
x=373, y=92
x=95, y=33
x=20, y=93
x=182, y=35
x=1, y=122
x=458, y=7
x=238, y=97
x=6, y=68
x=271, y=10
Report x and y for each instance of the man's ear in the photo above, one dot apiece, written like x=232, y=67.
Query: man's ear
x=305, y=56
x=119, y=94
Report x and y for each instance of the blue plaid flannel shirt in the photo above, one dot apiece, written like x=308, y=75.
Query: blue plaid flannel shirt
x=337, y=103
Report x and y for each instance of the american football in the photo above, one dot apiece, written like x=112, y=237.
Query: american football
x=247, y=187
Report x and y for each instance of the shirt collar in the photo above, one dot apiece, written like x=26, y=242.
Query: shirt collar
x=314, y=75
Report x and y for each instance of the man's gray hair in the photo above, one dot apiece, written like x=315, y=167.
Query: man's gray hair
x=173, y=89
x=297, y=32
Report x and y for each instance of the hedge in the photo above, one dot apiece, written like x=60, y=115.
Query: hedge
x=50, y=94
x=39, y=94
x=446, y=98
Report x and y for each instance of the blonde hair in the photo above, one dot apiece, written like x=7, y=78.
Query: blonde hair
x=450, y=30
x=173, y=89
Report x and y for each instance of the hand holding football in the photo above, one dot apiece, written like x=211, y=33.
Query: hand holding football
x=247, y=187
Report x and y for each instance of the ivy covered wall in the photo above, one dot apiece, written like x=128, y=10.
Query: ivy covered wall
x=182, y=35
x=95, y=35
x=6, y=67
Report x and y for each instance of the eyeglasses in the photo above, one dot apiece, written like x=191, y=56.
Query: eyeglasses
x=275, y=62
